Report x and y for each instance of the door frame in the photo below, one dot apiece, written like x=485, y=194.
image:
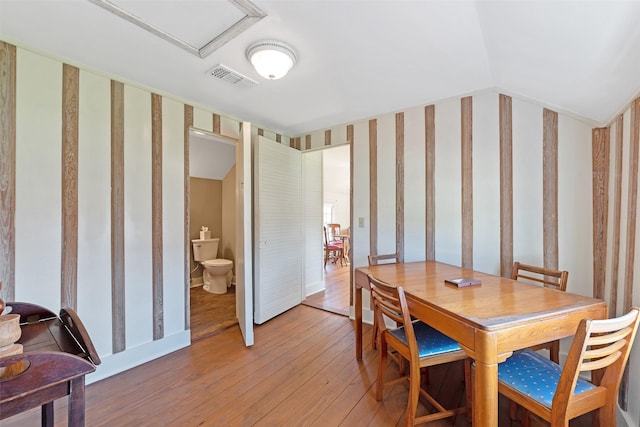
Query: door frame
x=244, y=258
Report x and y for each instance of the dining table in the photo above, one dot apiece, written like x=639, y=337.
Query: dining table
x=344, y=238
x=490, y=320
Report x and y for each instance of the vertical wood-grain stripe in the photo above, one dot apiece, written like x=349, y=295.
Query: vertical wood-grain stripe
x=327, y=137
x=506, y=186
x=156, y=215
x=117, y=218
x=188, y=123
x=351, y=222
x=430, y=184
x=550, y=188
x=632, y=204
x=373, y=187
x=7, y=170
x=400, y=186
x=467, y=180
x=216, y=124
x=69, y=267
x=617, y=213
x=278, y=137
x=600, y=188
x=307, y=142
x=292, y=142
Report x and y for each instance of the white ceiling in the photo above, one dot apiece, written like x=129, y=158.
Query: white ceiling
x=210, y=157
x=356, y=59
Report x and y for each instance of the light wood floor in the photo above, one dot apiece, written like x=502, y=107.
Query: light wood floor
x=211, y=313
x=336, y=296
x=300, y=372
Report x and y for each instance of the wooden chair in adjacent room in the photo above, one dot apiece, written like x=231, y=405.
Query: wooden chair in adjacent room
x=419, y=343
x=331, y=251
x=547, y=277
x=559, y=394
x=333, y=230
x=375, y=260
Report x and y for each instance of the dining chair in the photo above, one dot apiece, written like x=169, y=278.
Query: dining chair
x=375, y=260
x=333, y=230
x=417, y=342
x=549, y=278
x=559, y=394
x=332, y=251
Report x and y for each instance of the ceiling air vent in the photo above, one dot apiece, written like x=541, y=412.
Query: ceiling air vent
x=234, y=78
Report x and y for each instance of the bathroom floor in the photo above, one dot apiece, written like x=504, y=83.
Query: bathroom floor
x=211, y=313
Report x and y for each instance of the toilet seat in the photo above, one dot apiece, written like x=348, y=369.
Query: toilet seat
x=218, y=262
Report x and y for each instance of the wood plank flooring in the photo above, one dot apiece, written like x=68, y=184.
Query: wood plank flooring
x=211, y=313
x=335, y=297
x=300, y=372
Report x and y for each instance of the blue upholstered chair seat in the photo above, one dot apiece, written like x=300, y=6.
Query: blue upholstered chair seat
x=535, y=376
x=430, y=341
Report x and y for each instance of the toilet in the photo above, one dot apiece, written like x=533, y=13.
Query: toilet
x=217, y=272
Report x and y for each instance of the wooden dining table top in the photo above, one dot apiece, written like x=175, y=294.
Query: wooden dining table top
x=496, y=303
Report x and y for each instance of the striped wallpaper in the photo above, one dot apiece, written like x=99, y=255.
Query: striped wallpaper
x=94, y=203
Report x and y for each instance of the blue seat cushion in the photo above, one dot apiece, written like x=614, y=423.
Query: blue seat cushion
x=535, y=376
x=430, y=341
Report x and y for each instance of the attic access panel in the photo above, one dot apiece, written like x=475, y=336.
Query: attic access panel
x=199, y=27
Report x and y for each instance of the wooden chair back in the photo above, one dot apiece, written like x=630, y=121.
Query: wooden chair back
x=375, y=260
x=333, y=230
x=390, y=301
x=547, y=277
x=600, y=346
x=386, y=258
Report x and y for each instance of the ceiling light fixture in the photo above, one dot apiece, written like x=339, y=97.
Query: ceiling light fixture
x=272, y=59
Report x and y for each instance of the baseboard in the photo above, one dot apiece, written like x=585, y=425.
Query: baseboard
x=314, y=288
x=367, y=315
x=623, y=419
x=195, y=281
x=132, y=357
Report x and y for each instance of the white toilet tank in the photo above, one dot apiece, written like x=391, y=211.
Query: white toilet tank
x=205, y=249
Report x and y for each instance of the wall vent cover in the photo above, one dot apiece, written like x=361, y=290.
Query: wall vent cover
x=234, y=78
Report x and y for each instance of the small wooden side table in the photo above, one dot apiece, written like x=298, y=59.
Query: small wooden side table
x=58, y=353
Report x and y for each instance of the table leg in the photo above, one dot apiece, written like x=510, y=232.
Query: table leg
x=47, y=415
x=358, y=316
x=76, y=402
x=485, y=383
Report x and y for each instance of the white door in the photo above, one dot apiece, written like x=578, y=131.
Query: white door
x=244, y=273
x=278, y=256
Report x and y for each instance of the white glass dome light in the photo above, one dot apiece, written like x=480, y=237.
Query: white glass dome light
x=272, y=59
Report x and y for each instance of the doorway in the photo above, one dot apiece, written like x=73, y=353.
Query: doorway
x=212, y=183
x=336, y=209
